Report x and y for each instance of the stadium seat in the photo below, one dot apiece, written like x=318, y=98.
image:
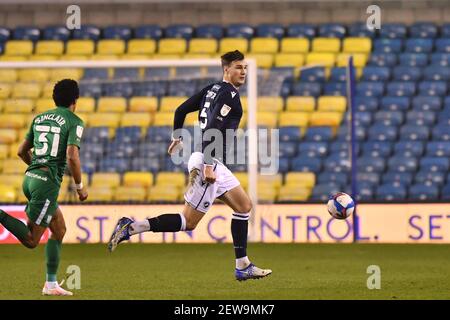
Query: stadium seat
x=80, y=47
x=18, y=48
x=300, y=179
x=299, y=119
x=437, y=73
x=369, y=89
x=388, y=118
x=13, y=166
x=391, y=192
x=409, y=148
x=12, y=121
x=330, y=103
x=26, y=90
x=270, y=31
x=240, y=30
x=110, y=47
x=143, y=104
x=430, y=178
x=399, y=178
x=438, y=148
x=105, y=179
x=440, y=59
x=96, y=74
x=163, y=194
x=130, y=194
x=148, y=32
x=389, y=103
x=382, y=59
x=338, y=74
x=402, y=164
x=426, y=103
x=86, y=32
x=4, y=34
x=5, y=90
x=296, y=103
x=117, y=32
x=400, y=89
x=357, y=45
x=112, y=104
x=110, y=120
x=179, y=31
x=209, y=31
x=382, y=133
x=169, y=104
x=359, y=59
x=176, y=179
x=318, y=134
x=307, y=89
x=306, y=164
x=414, y=133
x=326, y=45
x=413, y=59
x=141, y=46
x=377, y=148
x=264, y=45
x=8, y=194
x=324, y=118
x=434, y=164
x=332, y=30
x=294, y=45
x=406, y=73
x=100, y=194
x=393, y=31
x=199, y=45
x=388, y=45
x=140, y=119
x=34, y=75
x=419, y=45
x=270, y=104
x=172, y=46
x=289, y=60
x=266, y=119
x=289, y=193
x=323, y=59
x=301, y=30
x=316, y=74
x=8, y=75
x=322, y=192
x=423, y=192
x=423, y=30
x=442, y=45
x=60, y=33
x=433, y=88
x=290, y=133
x=49, y=47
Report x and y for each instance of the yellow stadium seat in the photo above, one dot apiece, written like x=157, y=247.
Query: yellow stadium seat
x=80, y=47
x=323, y=59
x=8, y=75
x=85, y=105
x=231, y=44
x=273, y=180
x=143, y=104
x=359, y=59
x=139, y=179
x=13, y=148
x=171, y=179
x=12, y=121
x=172, y=46
x=357, y=45
x=264, y=45
x=324, y=118
x=69, y=184
x=270, y=104
x=298, y=103
x=112, y=104
x=43, y=57
x=133, y=194
x=243, y=178
x=73, y=57
x=14, y=166
x=294, y=45
x=4, y=149
x=326, y=45
x=50, y=47
x=139, y=119
x=203, y=46
x=170, y=104
x=288, y=193
x=13, y=58
x=18, y=106
x=332, y=103
x=141, y=46
x=267, y=195
x=18, y=48
x=22, y=133
x=105, y=179
x=262, y=60
x=299, y=119
x=34, y=75
x=43, y=104
x=163, y=119
x=47, y=90
x=289, y=60
x=110, y=120
x=267, y=119
x=84, y=117
x=5, y=90
x=8, y=194
x=301, y=179
x=13, y=180
x=113, y=46
x=163, y=194
x=26, y=90
x=65, y=73
x=191, y=119
x=100, y=194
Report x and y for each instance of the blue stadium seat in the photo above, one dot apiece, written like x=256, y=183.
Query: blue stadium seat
x=306, y=164
x=438, y=149
x=1, y=47
x=434, y=164
x=402, y=178
x=370, y=89
x=402, y=164
x=332, y=177
x=443, y=45
x=338, y=74
x=339, y=145
x=426, y=103
x=403, y=73
x=95, y=150
x=371, y=164
x=4, y=34
x=437, y=73
x=363, y=118
x=181, y=88
x=335, y=89
x=409, y=148
x=240, y=30
x=382, y=59
x=377, y=149
x=97, y=135
x=445, y=30
x=95, y=74
x=389, y=118
x=337, y=159
x=363, y=103
x=393, y=31
x=389, y=103
x=391, y=192
x=159, y=134
x=157, y=73
x=387, y=45
x=420, y=118
x=313, y=75
x=445, y=192
x=119, y=149
x=184, y=31
x=401, y=89
x=318, y=134
x=87, y=32
x=368, y=178
x=307, y=89
x=344, y=134
x=117, y=89
x=365, y=192
x=423, y=30
x=114, y=165
x=283, y=165
x=433, y=88
x=89, y=166
x=440, y=59
x=169, y=165
x=209, y=31
x=270, y=31
x=149, y=31
x=150, y=88
x=90, y=89
x=128, y=135
x=290, y=134
x=414, y=132
x=382, y=133
x=413, y=59
x=117, y=32
x=302, y=30
x=145, y=164
x=287, y=149
x=126, y=73
x=152, y=149
x=279, y=72
x=332, y=30
x=56, y=33
x=375, y=74
x=419, y=45
x=423, y=192
x=26, y=33
x=322, y=192
x=359, y=29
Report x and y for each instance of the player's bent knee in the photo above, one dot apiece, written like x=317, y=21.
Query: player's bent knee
x=190, y=225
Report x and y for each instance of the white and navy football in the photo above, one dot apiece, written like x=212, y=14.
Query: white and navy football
x=341, y=205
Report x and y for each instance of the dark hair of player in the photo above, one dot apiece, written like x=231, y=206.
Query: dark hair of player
x=65, y=93
x=231, y=56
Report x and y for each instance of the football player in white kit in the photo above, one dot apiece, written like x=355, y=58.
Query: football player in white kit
x=219, y=109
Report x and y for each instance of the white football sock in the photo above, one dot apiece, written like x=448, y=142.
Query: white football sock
x=139, y=227
x=51, y=284
x=242, y=263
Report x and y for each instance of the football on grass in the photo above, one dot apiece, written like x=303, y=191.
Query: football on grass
x=341, y=205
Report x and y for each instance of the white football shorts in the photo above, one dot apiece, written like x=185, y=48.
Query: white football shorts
x=201, y=195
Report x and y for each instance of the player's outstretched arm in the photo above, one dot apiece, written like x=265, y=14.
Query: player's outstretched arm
x=24, y=151
x=73, y=161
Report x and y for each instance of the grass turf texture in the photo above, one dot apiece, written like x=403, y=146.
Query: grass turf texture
x=205, y=271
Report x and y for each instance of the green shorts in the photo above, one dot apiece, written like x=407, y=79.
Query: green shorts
x=42, y=194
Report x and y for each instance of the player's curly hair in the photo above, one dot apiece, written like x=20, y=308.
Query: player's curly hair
x=65, y=93
x=231, y=56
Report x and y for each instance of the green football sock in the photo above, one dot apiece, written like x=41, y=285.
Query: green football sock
x=13, y=225
x=52, y=252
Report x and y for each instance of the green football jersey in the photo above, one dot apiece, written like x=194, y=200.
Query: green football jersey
x=50, y=133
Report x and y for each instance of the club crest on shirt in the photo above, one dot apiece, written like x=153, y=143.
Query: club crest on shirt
x=225, y=110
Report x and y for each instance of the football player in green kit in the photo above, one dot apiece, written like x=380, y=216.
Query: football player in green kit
x=55, y=137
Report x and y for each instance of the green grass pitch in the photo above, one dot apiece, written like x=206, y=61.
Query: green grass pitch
x=205, y=271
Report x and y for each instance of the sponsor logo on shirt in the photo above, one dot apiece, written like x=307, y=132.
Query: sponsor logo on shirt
x=233, y=94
